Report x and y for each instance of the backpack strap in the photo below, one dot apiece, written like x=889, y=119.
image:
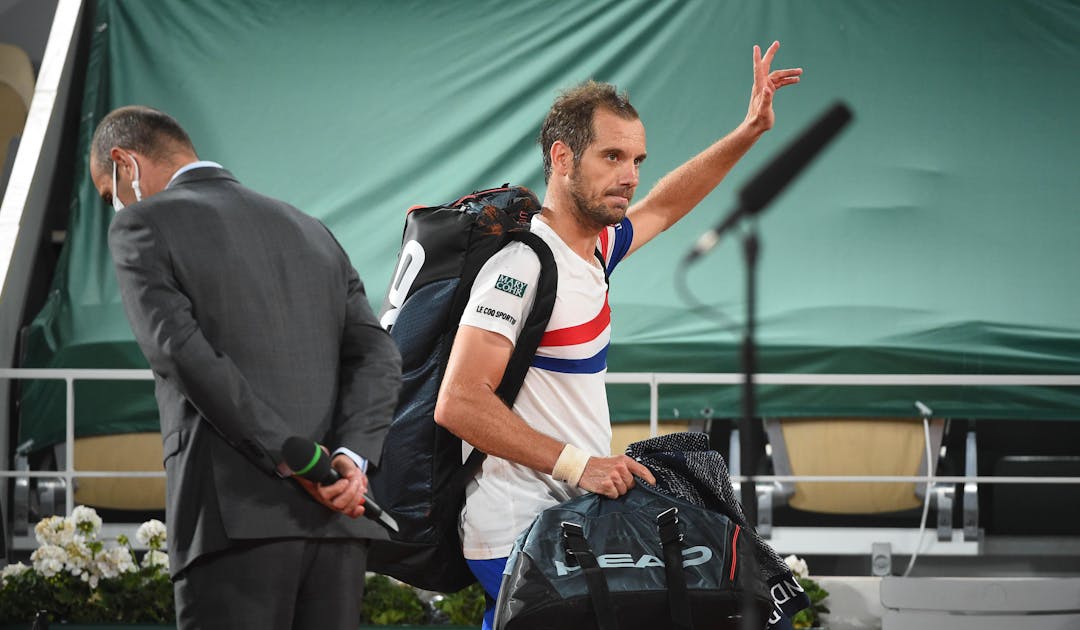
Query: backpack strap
x=578, y=548
x=678, y=597
x=525, y=348
x=603, y=266
x=535, y=324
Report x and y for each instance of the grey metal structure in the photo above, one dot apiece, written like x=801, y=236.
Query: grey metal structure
x=980, y=603
x=37, y=174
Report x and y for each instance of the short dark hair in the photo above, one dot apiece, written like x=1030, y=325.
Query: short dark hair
x=144, y=129
x=570, y=118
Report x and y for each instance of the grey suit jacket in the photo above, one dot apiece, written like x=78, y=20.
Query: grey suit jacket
x=257, y=328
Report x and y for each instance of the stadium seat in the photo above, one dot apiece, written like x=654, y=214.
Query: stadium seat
x=626, y=433
x=857, y=447
x=16, y=91
x=1029, y=448
x=125, y=452
x=852, y=446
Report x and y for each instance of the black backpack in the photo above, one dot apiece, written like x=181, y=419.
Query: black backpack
x=421, y=478
x=644, y=560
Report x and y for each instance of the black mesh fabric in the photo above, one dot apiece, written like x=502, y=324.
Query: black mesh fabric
x=685, y=467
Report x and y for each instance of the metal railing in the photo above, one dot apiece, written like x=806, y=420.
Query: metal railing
x=653, y=379
x=69, y=376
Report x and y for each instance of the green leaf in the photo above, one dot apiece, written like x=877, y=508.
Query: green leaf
x=464, y=608
x=387, y=602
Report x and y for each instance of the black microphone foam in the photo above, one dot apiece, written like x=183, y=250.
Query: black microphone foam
x=308, y=460
x=769, y=181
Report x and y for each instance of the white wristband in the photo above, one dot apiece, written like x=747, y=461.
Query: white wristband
x=571, y=465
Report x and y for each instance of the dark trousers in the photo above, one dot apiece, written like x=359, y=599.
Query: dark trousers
x=291, y=584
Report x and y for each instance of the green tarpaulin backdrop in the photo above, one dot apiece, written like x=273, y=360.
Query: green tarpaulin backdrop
x=936, y=235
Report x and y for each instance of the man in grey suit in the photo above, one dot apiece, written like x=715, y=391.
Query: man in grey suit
x=257, y=329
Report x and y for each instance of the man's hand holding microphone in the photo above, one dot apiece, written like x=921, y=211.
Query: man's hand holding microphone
x=338, y=484
x=345, y=494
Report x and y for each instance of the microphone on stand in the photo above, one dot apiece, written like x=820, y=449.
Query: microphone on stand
x=776, y=175
x=308, y=460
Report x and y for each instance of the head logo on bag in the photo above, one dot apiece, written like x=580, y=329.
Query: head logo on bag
x=691, y=557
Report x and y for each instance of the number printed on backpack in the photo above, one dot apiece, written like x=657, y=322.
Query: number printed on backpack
x=410, y=262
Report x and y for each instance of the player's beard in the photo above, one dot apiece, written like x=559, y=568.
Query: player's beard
x=593, y=211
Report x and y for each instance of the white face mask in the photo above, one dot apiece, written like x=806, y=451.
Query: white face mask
x=116, y=203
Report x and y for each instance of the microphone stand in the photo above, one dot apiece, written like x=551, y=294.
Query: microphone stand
x=753, y=197
x=749, y=443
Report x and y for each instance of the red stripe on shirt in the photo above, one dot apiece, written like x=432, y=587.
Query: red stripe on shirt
x=734, y=553
x=582, y=332
x=604, y=245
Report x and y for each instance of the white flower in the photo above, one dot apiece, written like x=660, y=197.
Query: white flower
x=78, y=558
x=54, y=530
x=49, y=560
x=114, y=561
x=155, y=558
x=86, y=521
x=69, y=545
x=12, y=570
x=151, y=534
x=797, y=566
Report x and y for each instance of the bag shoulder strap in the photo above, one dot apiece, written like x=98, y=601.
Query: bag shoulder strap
x=578, y=548
x=678, y=597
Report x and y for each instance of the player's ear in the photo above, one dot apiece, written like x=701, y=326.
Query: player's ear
x=562, y=158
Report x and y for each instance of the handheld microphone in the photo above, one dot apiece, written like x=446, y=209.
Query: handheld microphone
x=308, y=460
x=776, y=175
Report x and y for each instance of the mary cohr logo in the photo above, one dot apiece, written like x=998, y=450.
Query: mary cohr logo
x=511, y=285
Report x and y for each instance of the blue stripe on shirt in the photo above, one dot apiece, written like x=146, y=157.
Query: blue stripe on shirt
x=591, y=365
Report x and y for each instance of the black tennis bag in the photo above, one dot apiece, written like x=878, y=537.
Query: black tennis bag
x=644, y=560
x=421, y=478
